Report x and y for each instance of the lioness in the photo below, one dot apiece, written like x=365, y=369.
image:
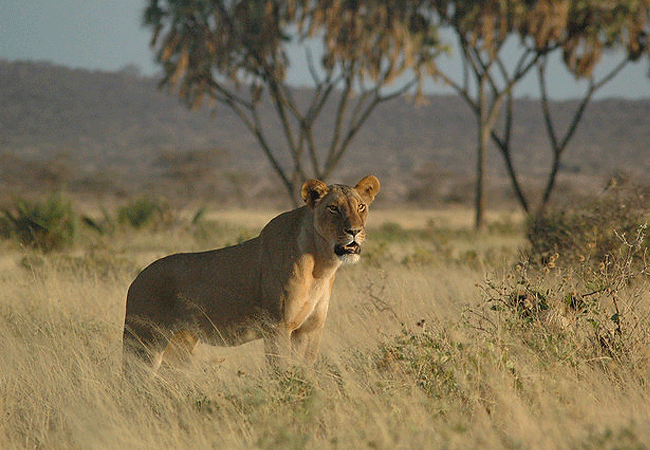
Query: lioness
x=276, y=286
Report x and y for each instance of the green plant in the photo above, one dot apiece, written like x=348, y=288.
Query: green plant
x=6, y=227
x=576, y=313
x=588, y=232
x=91, y=265
x=45, y=225
x=429, y=357
x=143, y=212
x=420, y=257
x=102, y=226
x=199, y=216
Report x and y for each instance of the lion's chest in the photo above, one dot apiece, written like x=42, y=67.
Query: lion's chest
x=305, y=301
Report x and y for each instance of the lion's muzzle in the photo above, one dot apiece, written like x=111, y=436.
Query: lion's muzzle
x=353, y=248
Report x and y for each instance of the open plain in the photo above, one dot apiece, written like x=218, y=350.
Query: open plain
x=439, y=338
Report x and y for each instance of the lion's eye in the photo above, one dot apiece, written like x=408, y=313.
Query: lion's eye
x=362, y=207
x=333, y=209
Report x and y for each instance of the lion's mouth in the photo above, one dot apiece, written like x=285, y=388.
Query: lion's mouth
x=352, y=248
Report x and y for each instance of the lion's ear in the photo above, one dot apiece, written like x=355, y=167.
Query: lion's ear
x=312, y=191
x=368, y=188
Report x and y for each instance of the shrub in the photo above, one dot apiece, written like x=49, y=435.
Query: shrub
x=6, y=226
x=143, y=212
x=45, y=225
x=431, y=358
x=577, y=313
x=591, y=232
x=102, y=226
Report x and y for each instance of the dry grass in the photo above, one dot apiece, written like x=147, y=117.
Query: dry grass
x=470, y=376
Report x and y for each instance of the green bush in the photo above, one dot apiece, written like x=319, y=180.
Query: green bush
x=6, y=226
x=433, y=359
x=102, y=226
x=143, y=212
x=591, y=232
x=45, y=225
x=576, y=313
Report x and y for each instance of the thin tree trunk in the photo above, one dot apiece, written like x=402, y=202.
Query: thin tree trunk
x=559, y=146
x=550, y=184
x=519, y=193
x=504, y=146
x=479, y=202
x=483, y=138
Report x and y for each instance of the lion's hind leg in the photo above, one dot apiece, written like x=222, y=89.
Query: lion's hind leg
x=142, y=344
x=180, y=348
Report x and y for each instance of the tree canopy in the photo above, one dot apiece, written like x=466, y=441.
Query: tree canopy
x=581, y=29
x=236, y=53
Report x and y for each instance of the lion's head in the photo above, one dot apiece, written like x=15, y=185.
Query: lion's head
x=340, y=214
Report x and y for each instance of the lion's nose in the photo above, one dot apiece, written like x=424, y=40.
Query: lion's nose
x=353, y=231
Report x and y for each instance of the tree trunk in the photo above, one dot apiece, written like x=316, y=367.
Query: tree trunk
x=296, y=185
x=483, y=138
x=479, y=202
x=546, y=197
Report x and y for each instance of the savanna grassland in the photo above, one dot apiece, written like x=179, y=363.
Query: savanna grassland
x=439, y=338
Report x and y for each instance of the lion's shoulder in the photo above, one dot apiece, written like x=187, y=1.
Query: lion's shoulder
x=286, y=224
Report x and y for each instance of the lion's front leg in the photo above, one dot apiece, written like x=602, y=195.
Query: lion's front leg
x=277, y=347
x=306, y=344
x=305, y=341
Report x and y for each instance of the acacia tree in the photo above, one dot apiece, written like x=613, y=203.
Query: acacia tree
x=483, y=29
x=491, y=32
x=588, y=30
x=234, y=52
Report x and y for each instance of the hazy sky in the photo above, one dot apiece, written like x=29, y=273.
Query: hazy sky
x=107, y=35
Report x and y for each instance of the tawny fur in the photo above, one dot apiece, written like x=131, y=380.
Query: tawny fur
x=276, y=286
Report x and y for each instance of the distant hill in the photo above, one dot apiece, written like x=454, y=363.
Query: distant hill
x=115, y=132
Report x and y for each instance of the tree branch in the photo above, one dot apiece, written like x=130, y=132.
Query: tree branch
x=559, y=148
